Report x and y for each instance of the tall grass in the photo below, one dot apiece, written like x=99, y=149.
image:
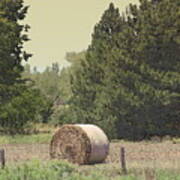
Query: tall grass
x=61, y=170
x=36, y=170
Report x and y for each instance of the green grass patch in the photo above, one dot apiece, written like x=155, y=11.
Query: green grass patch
x=62, y=170
x=167, y=175
x=36, y=170
x=26, y=139
x=51, y=170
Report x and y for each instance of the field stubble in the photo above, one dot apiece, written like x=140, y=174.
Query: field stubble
x=164, y=155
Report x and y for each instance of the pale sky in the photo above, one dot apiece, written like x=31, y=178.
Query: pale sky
x=60, y=26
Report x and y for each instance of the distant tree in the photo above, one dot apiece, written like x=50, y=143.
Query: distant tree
x=74, y=57
x=49, y=84
x=35, y=70
x=55, y=67
x=27, y=69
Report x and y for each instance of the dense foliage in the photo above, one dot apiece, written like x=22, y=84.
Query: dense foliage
x=19, y=101
x=129, y=82
x=12, y=39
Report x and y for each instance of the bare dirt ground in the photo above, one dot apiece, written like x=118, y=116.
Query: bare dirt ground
x=138, y=154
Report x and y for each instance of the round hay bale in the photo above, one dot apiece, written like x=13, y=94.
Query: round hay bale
x=81, y=144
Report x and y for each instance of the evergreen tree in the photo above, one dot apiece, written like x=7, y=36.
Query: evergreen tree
x=12, y=37
x=19, y=101
x=87, y=81
x=144, y=82
x=130, y=78
x=157, y=48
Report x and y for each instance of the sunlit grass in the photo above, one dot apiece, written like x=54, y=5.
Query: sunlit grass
x=26, y=139
x=42, y=133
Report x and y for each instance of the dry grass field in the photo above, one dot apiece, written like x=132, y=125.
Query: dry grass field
x=161, y=155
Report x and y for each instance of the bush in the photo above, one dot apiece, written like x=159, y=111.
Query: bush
x=17, y=115
x=63, y=115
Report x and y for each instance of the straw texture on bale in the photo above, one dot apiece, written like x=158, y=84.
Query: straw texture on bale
x=81, y=144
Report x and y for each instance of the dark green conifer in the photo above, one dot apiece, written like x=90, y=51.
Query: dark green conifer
x=88, y=80
x=12, y=37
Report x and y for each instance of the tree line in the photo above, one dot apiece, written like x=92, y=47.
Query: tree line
x=127, y=81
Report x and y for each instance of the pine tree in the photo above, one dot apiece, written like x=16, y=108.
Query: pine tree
x=158, y=48
x=87, y=80
x=129, y=81
x=19, y=102
x=12, y=37
x=143, y=83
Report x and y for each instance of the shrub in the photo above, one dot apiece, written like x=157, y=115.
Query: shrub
x=17, y=115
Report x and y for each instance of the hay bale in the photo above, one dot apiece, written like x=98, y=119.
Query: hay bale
x=81, y=144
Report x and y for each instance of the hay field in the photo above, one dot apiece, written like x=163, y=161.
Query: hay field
x=161, y=155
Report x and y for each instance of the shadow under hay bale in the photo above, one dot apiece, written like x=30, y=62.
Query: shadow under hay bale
x=81, y=144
